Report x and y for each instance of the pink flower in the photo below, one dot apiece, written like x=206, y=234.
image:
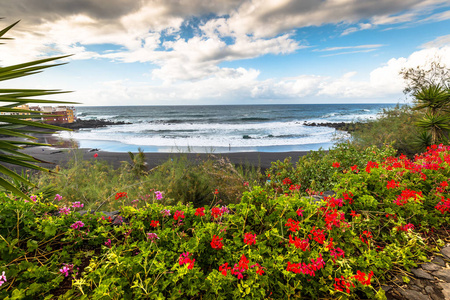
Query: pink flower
x=64, y=210
x=58, y=197
x=152, y=236
x=158, y=195
x=108, y=243
x=2, y=278
x=77, y=204
x=300, y=212
x=96, y=155
x=165, y=212
x=33, y=198
x=66, y=269
x=77, y=224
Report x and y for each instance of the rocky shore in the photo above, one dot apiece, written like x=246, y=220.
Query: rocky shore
x=349, y=127
x=90, y=124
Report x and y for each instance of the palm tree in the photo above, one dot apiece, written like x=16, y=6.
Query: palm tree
x=13, y=123
x=434, y=99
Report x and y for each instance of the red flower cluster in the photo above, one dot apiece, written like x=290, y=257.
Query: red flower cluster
x=224, y=269
x=154, y=224
x=444, y=205
x=406, y=195
x=354, y=214
x=334, y=218
x=241, y=267
x=371, y=165
x=200, y=211
x=406, y=227
x=295, y=187
x=365, y=236
x=336, y=165
x=336, y=252
x=216, y=212
x=179, y=215
x=287, y=181
x=250, y=238
x=120, y=195
x=361, y=277
x=342, y=283
x=308, y=269
x=216, y=242
x=293, y=225
x=317, y=235
x=392, y=184
x=348, y=197
x=185, y=258
x=355, y=168
x=299, y=243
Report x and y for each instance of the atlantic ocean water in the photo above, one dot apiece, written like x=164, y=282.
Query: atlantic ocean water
x=218, y=129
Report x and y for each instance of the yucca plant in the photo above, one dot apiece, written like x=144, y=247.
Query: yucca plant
x=13, y=122
x=435, y=100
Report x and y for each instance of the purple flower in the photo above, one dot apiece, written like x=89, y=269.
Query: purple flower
x=64, y=210
x=2, y=278
x=77, y=224
x=158, y=195
x=152, y=236
x=58, y=197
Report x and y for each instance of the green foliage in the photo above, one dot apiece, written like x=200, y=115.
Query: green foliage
x=95, y=182
x=395, y=127
x=314, y=171
x=13, y=122
x=369, y=221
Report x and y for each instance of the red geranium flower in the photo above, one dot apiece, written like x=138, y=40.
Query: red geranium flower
x=250, y=238
x=216, y=242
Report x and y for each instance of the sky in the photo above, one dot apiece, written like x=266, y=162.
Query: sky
x=205, y=52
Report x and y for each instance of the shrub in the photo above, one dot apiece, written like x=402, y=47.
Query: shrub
x=267, y=246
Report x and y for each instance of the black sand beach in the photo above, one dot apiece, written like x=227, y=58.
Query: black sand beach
x=60, y=156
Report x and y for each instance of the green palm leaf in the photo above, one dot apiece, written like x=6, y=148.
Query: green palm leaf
x=18, y=125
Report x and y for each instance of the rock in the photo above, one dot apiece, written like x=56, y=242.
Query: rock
x=430, y=267
x=386, y=288
x=413, y=295
x=419, y=273
x=316, y=198
x=446, y=252
x=445, y=289
x=90, y=124
x=414, y=287
x=328, y=193
x=429, y=290
x=439, y=261
x=443, y=274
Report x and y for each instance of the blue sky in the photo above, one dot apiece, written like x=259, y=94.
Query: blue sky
x=201, y=52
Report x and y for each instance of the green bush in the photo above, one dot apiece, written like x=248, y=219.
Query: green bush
x=395, y=127
x=95, y=182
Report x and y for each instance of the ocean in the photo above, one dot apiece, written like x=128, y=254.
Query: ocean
x=218, y=129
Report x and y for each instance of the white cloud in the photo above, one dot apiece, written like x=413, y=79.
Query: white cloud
x=438, y=42
x=370, y=46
